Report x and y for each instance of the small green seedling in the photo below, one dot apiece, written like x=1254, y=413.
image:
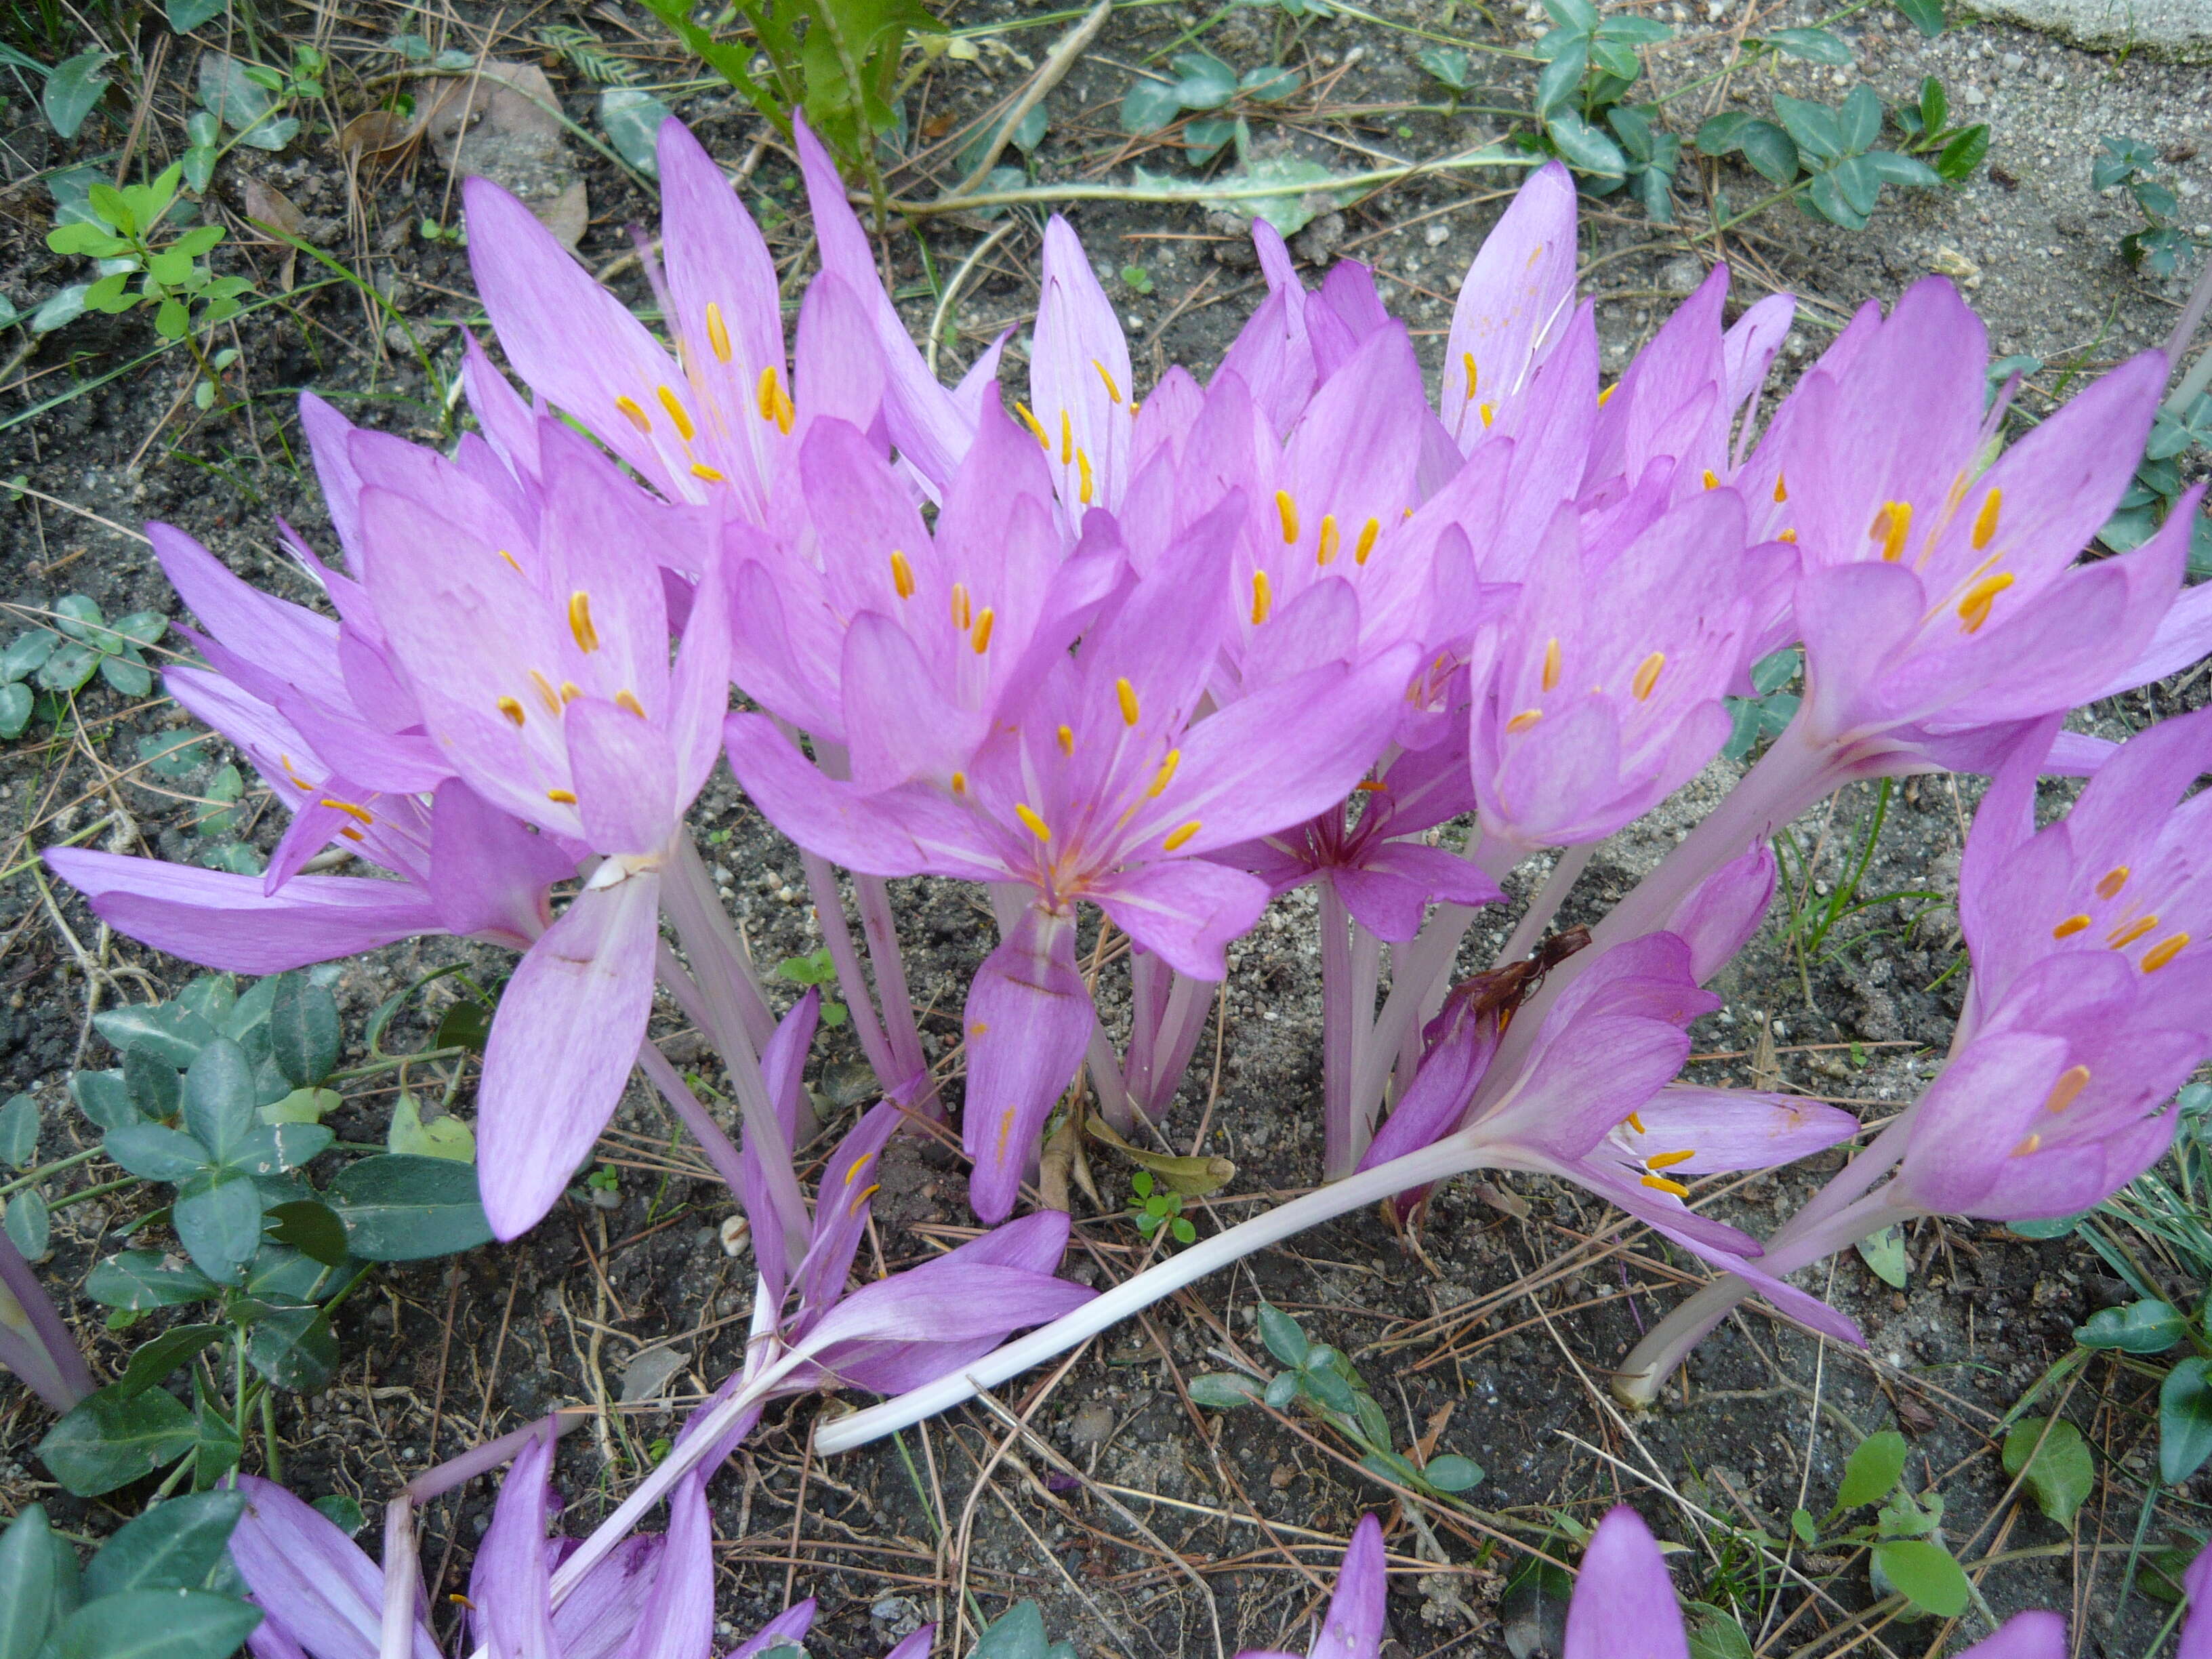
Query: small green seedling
x=59, y=657
x=1155, y=1209
x=1909, y=1557
x=2124, y=163
x=815, y=969
x=124, y=233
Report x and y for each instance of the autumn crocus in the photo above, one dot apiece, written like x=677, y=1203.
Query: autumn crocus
x=1354, y=1628
x=34, y=1344
x=1095, y=786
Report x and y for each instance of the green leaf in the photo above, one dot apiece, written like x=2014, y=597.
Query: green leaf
x=1281, y=1389
x=631, y=119
x=402, y=1208
x=81, y=236
x=1907, y=170
x=154, y=1153
x=1884, y=1254
x=1926, y=15
x=303, y=1031
x=73, y=89
x=19, y=1131
x=158, y=1625
x=105, y=1097
x=1555, y=85
x=1634, y=30
x=1452, y=1473
x=1872, y=1471
x=177, y=1544
x=186, y=16
x=30, y=1228
x=446, y=1137
x=293, y=1348
x=2059, y=1471
x=2145, y=1327
x=310, y=1228
x=1579, y=16
x=1447, y=66
x=38, y=1583
x=169, y=1029
x=466, y=1025
x=1812, y=125
x=341, y=1511
x=217, y=1216
x=1934, y=107
x=1813, y=45
x=1722, y=134
x=1586, y=148
x=132, y=679
x=2184, y=1421
x=1204, y=139
x=1207, y=82
x=1222, y=1391
x=136, y=1280
x=109, y=204
x=303, y=1106
x=1017, y=1633
x=157, y=1358
x=28, y=651
x=61, y=307
x=226, y=91
x=1270, y=85
x=15, y=704
x=68, y=668
x=1964, y=153
x=1282, y=1335
x=1926, y=1574
x=110, y=1439
x=216, y=1445
x=1825, y=195
x=219, y=1097
x=1715, y=1634
x=1329, y=1389
x=1860, y=119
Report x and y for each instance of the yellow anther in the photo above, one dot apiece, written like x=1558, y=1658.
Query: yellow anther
x=1521, y=721
x=1035, y=426
x=981, y=638
x=562, y=797
x=1661, y=1184
x=1790, y=536
x=627, y=698
x=2163, y=952
x=2120, y=937
x=863, y=1196
x=1082, y=484
x=2109, y=884
x=1005, y=1128
x=961, y=615
x=570, y=691
x=2028, y=1147
x=1287, y=511
x=683, y=427
x=580, y=621
x=1330, y=536
x=1472, y=378
x=1263, y=598
x=511, y=709
x=1066, y=739
x=633, y=414
x=1177, y=836
x=1166, y=775
x=1489, y=413
x=510, y=559
x=1036, y=825
x=1668, y=1160
x=1366, y=543
x=1126, y=695
x=1985, y=521
x=2071, y=1082
x=1066, y=439
x=764, y=394
x=1712, y=479
x=718, y=333
x=1891, y=527
x=1372, y=786
x=1636, y=1123
x=959, y=783
x=1551, y=666
x=700, y=470
x=2070, y=926
x=546, y=693
x=353, y=835
x=1781, y=489
x=1974, y=607
x=902, y=575
x=1112, y=391
x=1604, y=396
x=359, y=814
x=456, y=1597
x=1647, y=676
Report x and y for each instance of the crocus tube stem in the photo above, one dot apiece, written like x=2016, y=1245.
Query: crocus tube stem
x=719, y=958
x=859, y=997
x=396, y=1638
x=436, y=1482
x=1182, y=1023
x=721, y=1152
x=34, y=1343
x=1345, y=1133
x=880, y=929
x=1447, y=1157
x=1566, y=869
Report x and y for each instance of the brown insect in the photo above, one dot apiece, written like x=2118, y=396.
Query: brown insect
x=1501, y=990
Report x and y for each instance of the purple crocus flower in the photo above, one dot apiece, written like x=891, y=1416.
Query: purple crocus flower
x=1355, y=1628
x=1095, y=784
x=34, y=1343
x=1513, y=306
x=1296, y=340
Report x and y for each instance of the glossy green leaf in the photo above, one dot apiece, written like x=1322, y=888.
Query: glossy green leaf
x=1872, y=1471
x=73, y=89
x=220, y=1097
x=1925, y=1573
x=19, y=1131
x=1715, y=1634
x=136, y=1280
x=158, y=1625
x=217, y=1216
x=1452, y=1473
x=631, y=119
x=1586, y=148
x=1772, y=152
x=1282, y=1335
x=1148, y=106
x=30, y=1228
x=1964, y=153
x=1270, y=85
x=2053, y=1462
x=186, y=16
x=167, y=1030
x=110, y=1439
x=1448, y=66
x=310, y=1228
x=1223, y=1390
x=38, y=1583
x=157, y=1358
x=71, y=666
x=1812, y=125
x=341, y=1511
x=1926, y=15
x=401, y=1208
x=293, y=1348
x=1813, y=45
x=1206, y=83
x=2144, y=1327
x=303, y=1031
x=154, y=1153
x=1859, y=120
x=2184, y=1421
x=177, y=1544
x=15, y=705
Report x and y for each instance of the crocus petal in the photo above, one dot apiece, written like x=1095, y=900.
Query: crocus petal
x=1390, y=887
x=915, y=1646
x=2039, y=1636
x=788, y=1627
x=2197, y=1632
x=780, y=1071
x=679, y=1621
x=489, y=870
x=1027, y=1020
x=560, y=1049
x=34, y=1344
x=1725, y=1129
x=1517, y=292
x=1624, y=1605
x=601, y=1614
x=294, y=1558
x=966, y=1301
x=625, y=776
x=1355, y=1628
x=511, y=1587
x=1186, y=909
x=1718, y=919
x=841, y=1206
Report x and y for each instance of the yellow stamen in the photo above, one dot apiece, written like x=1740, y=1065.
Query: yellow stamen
x=1781, y=489
x=1287, y=511
x=546, y=693
x=1035, y=426
x=700, y=470
x=683, y=427
x=1372, y=786
x=2112, y=880
x=959, y=783
x=1468, y=358
x=2120, y=937
x=718, y=333
x=902, y=575
x=633, y=414
x=861, y=1168
x=764, y=394
x=1521, y=721
x=359, y=814
x=1551, y=666
x=1636, y=1123
x=562, y=797
x=353, y=835
x=1005, y=1128
x=456, y=1596
x=2070, y=926
x=1985, y=521
x=580, y=621
x=1066, y=739
x=2028, y=1147
x=2163, y=952
x=511, y=709
x=1263, y=598
x=1663, y=1185
x=1366, y=543
x=1066, y=439
x=981, y=638
x=1326, y=549
x=511, y=564
x=1668, y=1160
x=961, y=615
x=1112, y=391
x=1083, y=487
x=1790, y=536
x=1164, y=775
x=2071, y=1082
x=1126, y=695
x=1036, y=825
x=570, y=691
x=1712, y=479
x=627, y=698
x=1892, y=525
x=1974, y=608
x=1647, y=676
x=863, y=1196
x=1489, y=413
x=1178, y=836
x=1607, y=394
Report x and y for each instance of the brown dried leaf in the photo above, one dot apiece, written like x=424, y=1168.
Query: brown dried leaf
x=379, y=133
x=503, y=124
x=271, y=206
